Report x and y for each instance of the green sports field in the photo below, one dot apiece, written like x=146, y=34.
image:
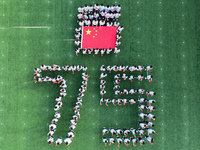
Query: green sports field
x=161, y=33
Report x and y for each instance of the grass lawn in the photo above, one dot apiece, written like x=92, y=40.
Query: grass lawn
x=161, y=33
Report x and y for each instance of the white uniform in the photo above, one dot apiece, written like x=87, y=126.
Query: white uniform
x=112, y=131
x=68, y=140
x=119, y=140
x=151, y=101
x=59, y=141
x=108, y=51
x=117, y=92
x=132, y=91
x=81, y=23
x=57, y=107
x=105, y=140
x=50, y=133
x=148, y=77
x=58, y=99
x=55, y=120
x=149, y=139
x=50, y=140
x=142, y=106
x=119, y=130
x=96, y=7
x=131, y=77
x=57, y=115
x=133, y=131
x=72, y=127
x=134, y=140
x=150, y=131
x=116, y=51
x=70, y=134
x=104, y=131
x=101, y=22
x=151, y=93
x=143, y=125
x=148, y=68
x=142, y=115
x=80, y=10
x=52, y=126
x=116, y=24
x=141, y=91
x=132, y=101
x=151, y=116
x=141, y=100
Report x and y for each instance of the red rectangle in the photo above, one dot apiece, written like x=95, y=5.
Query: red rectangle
x=98, y=37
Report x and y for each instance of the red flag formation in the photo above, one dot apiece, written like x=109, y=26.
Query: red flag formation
x=101, y=37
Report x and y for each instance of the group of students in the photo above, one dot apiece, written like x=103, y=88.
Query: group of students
x=75, y=117
x=98, y=15
x=125, y=68
x=143, y=131
x=131, y=101
x=144, y=125
x=99, y=12
x=131, y=77
x=96, y=51
x=60, y=80
x=124, y=76
x=140, y=134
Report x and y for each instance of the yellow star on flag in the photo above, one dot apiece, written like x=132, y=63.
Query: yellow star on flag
x=88, y=32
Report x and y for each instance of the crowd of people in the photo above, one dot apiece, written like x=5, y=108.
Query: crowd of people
x=125, y=68
x=144, y=131
x=129, y=135
x=134, y=135
x=98, y=15
x=124, y=77
x=60, y=80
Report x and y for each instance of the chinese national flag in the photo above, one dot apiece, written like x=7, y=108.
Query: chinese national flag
x=98, y=37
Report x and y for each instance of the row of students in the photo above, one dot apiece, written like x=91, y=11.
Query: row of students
x=97, y=51
x=101, y=17
x=65, y=68
x=131, y=77
x=148, y=115
x=125, y=68
x=124, y=101
x=101, y=22
x=132, y=91
x=127, y=141
x=132, y=132
x=118, y=101
x=99, y=8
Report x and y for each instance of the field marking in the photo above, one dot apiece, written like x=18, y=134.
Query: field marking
x=34, y=27
x=2, y=28
x=69, y=39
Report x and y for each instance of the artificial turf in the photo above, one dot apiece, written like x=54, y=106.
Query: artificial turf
x=161, y=33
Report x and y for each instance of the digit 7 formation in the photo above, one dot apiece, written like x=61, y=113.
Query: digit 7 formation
x=129, y=135
x=63, y=84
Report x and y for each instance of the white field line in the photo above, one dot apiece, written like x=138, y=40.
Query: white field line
x=69, y=39
x=2, y=28
x=32, y=27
